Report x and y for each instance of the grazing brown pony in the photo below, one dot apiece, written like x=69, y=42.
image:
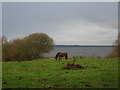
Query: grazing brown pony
x=59, y=55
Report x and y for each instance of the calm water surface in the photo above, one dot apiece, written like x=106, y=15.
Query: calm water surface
x=81, y=51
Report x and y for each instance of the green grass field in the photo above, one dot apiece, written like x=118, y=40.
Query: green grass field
x=47, y=73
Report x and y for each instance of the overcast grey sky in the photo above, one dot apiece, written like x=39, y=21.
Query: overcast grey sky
x=75, y=23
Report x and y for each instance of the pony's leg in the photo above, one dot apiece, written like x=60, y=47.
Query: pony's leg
x=65, y=58
x=59, y=58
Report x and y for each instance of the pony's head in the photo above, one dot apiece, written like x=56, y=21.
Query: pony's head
x=66, y=56
x=57, y=55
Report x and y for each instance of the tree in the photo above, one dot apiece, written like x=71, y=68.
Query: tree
x=4, y=39
x=15, y=51
x=38, y=44
x=5, y=49
x=28, y=48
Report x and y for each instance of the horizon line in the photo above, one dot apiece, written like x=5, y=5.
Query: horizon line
x=86, y=44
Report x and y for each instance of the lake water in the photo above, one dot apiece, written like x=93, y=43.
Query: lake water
x=81, y=51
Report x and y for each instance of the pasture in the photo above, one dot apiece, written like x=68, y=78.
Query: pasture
x=47, y=73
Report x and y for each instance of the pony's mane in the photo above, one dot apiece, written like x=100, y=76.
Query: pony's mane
x=57, y=55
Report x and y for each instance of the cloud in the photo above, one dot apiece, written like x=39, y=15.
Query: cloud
x=66, y=23
x=0, y=19
x=84, y=33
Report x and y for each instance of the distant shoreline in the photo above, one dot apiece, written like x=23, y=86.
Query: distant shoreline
x=84, y=46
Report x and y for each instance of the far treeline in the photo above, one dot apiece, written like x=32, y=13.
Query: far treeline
x=27, y=48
